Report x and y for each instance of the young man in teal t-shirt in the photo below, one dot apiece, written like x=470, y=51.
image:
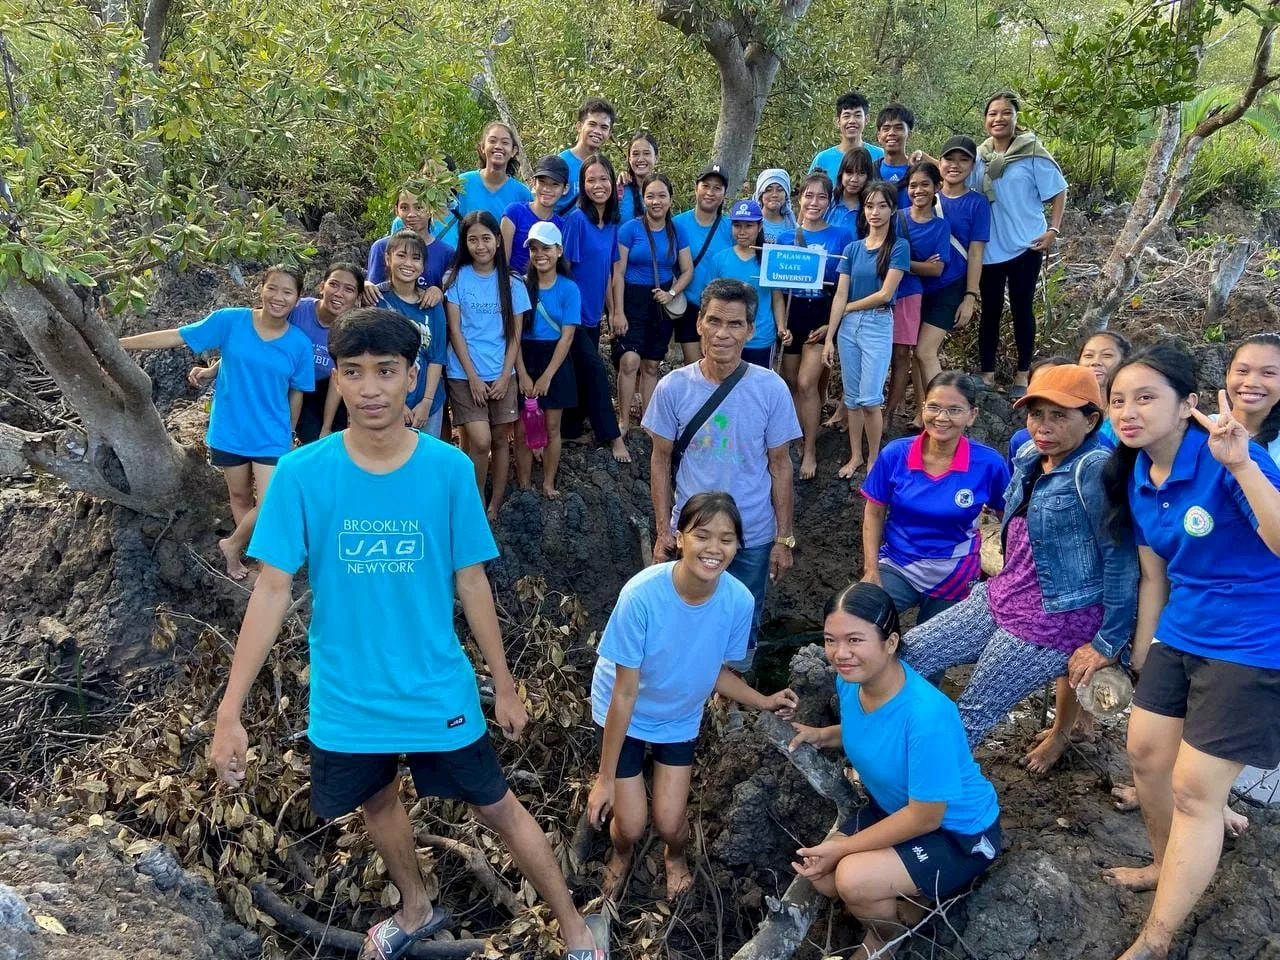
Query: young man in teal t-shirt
x=852, y=112
x=392, y=534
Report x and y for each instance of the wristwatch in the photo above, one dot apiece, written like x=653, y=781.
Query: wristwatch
x=789, y=542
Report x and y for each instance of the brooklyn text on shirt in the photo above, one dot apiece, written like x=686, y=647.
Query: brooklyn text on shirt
x=380, y=546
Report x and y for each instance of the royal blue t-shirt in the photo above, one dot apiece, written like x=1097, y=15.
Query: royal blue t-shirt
x=678, y=647
x=591, y=250
x=474, y=195
x=575, y=170
x=639, y=258
x=969, y=217
x=833, y=240
x=628, y=208
x=931, y=524
x=895, y=173
x=727, y=263
x=522, y=215
x=697, y=235
x=304, y=317
x=434, y=263
x=1222, y=577
x=480, y=315
x=913, y=747
x=562, y=302
x=829, y=160
x=388, y=674
x=436, y=350
x=926, y=239
x=250, y=415
x=861, y=266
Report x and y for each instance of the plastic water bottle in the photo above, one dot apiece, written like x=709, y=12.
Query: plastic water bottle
x=535, y=424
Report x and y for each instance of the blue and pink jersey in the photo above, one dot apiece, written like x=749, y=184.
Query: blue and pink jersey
x=931, y=524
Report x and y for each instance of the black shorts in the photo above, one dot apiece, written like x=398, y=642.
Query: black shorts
x=760, y=356
x=938, y=309
x=1229, y=711
x=686, y=325
x=340, y=782
x=223, y=458
x=648, y=326
x=806, y=315
x=940, y=862
x=563, y=391
x=631, y=759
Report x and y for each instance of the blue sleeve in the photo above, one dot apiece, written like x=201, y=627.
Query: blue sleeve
x=1258, y=455
x=571, y=302
x=1049, y=179
x=813, y=165
x=519, y=295
x=627, y=234
x=900, y=259
x=942, y=242
x=573, y=237
x=997, y=483
x=376, y=268
x=660, y=416
x=981, y=219
x=304, y=365
x=740, y=627
x=470, y=538
x=438, y=349
x=451, y=295
x=280, y=535
x=512, y=212
x=209, y=333
x=879, y=483
x=624, y=634
x=782, y=425
x=846, y=265
x=435, y=267
x=682, y=237
x=933, y=768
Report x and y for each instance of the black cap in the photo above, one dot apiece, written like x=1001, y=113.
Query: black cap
x=552, y=168
x=963, y=144
x=713, y=170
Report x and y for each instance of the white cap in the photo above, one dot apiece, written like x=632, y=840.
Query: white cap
x=544, y=231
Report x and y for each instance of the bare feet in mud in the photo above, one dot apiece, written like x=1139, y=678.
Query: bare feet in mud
x=1135, y=879
x=679, y=879
x=236, y=569
x=1145, y=951
x=620, y=451
x=1041, y=758
x=613, y=880
x=1126, y=798
x=849, y=468
x=808, y=468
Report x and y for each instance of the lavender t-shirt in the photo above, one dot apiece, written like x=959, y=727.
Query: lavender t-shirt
x=731, y=450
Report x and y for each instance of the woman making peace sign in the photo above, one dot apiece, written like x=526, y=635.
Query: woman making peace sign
x=1204, y=503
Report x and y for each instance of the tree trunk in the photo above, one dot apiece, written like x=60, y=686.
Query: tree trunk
x=124, y=454
x=748, y=67
x=1228, y=265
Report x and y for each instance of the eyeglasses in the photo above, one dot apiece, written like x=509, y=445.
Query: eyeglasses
x=952, y=413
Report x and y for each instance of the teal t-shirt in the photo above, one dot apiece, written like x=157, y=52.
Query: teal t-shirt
x=728, y=264
x=562, y=303
x=388, y=674
x=697, y=234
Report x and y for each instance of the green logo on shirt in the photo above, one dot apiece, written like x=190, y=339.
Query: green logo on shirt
x=1198, y=522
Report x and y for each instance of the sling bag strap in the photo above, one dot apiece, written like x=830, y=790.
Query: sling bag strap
x=542, y=312
x=956, y=245
x=704, y=413
x=707, y=242
x=653, y=254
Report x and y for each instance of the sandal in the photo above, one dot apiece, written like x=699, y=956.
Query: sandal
x=389, y=941
x=598, y=927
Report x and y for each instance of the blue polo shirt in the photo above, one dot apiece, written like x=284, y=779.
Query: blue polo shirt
x=697, y=235
x=830, y=238
x=931, y=525
x=926, y=239
x=969, y=217
x=1222, y=577
x=591, y=250
x=829, y=160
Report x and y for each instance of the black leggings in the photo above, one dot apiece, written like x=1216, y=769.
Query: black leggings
x=595, y=402
x=1020, y=274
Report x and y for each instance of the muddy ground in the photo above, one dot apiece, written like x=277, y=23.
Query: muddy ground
x=81, y=584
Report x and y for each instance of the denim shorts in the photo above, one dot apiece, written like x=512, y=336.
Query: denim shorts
x=865, y=342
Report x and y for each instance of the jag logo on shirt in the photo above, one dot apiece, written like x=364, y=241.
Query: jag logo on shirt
x=380, y=546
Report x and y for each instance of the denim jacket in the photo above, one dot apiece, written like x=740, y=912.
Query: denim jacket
x=1078, y=561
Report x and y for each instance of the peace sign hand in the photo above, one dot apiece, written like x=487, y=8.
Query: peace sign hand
x=1228, y=438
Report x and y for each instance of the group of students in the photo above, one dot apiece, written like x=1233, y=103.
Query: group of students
x=1158, y=552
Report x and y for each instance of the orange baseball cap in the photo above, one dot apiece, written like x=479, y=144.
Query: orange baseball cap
x=1068, y=385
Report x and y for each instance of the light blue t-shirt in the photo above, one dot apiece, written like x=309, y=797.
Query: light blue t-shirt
x=678, y=648
x=727, y=263
x=591, y=250
x=861, y=266
x=388, y=674
x=730, y=451
x=1017, y=215
x=432, y=321
x=480, y=311
x=305, y=318
x=830, y=159
x=914, y=748
x=250, y=415
x=562, y=302
x=474, y=195
x=696, y=235
x=575, y=171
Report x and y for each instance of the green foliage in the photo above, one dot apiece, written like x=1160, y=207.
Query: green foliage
x=1235, y=164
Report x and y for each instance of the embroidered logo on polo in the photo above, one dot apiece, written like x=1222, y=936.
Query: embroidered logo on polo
x=964, y=497
x=1198, y=522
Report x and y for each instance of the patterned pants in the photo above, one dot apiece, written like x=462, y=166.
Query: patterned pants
x=1005, y=670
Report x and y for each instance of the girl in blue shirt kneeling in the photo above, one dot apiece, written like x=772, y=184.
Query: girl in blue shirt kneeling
x=1204, y=504
x=663, y=653
x=932, y=824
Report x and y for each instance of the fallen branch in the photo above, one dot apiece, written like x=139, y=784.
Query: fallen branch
x=825, y=777
x=479, y=869
x=787, y=925
x=56, y=688
x=348, y=941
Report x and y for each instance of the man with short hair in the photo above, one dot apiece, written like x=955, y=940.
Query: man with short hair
x=708, y=232
x=389, y=536
x=594, y=126
x=741, y=446
x=852, y=111
x=893, y=128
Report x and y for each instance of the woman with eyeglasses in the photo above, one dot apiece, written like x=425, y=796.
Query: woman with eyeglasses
x=924, y=496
